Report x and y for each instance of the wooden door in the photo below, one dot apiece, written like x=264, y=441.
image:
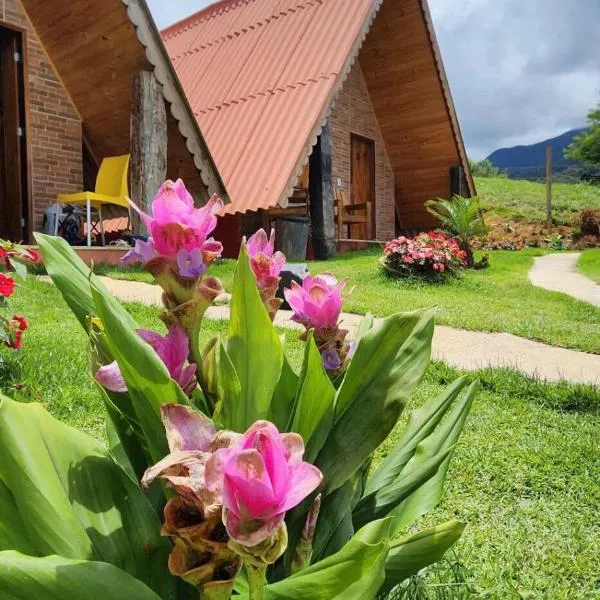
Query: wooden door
x=362, y=184
x=12, y=181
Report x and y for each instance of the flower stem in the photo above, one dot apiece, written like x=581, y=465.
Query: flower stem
x=256, y=581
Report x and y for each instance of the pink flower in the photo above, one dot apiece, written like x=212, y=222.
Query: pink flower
x=176, y=224
x=317, y=302
x=260, y=478
x=172, y=349
x=265, y=262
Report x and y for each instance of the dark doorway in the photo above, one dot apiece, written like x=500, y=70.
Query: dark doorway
x=14, y=211
x=363, y=184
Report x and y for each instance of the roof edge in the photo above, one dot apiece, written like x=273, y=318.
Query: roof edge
x=330, y=102
x=156, y=53
x=450, y=106
x=185, y=21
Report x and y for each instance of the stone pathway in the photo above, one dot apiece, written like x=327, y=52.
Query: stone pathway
x=559, y=273
x=469, y=350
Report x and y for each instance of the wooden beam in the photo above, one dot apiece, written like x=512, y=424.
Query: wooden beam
x=321, y=197
x=148, y=134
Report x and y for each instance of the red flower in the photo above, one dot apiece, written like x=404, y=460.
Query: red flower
x=7, y=285
x=17, y=343
x=20, y=322
x=34, y=256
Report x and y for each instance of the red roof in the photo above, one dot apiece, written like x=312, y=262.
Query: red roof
x=260, y=76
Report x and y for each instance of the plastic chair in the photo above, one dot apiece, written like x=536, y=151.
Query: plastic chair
x=111, y=188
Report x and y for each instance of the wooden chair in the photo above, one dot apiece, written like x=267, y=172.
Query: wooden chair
x=347, y=215
x=111, y=188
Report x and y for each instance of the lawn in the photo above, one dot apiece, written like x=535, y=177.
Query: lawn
x=499, y=299
x=525, y=476
x=521, y=200
x=589, y=264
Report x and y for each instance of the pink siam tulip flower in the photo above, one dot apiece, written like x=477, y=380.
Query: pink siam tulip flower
x=260, y=478
x=317, y=303
x=177, y=225
x=173, y=351
x=265, y=262
x=266, y=265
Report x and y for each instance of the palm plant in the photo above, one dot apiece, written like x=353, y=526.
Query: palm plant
x=462, y=218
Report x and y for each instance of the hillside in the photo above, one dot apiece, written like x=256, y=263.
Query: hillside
x=528, y=162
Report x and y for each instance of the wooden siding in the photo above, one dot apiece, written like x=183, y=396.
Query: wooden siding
x=411, y=102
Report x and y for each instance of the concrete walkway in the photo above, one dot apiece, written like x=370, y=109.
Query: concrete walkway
x=469, y=350
x=558, y=273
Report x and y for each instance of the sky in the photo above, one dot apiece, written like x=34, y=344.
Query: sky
x=520, y=71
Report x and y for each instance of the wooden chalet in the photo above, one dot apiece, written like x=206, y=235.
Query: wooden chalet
x=356, y=85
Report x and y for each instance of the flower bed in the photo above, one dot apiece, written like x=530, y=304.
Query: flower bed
x=429, y=255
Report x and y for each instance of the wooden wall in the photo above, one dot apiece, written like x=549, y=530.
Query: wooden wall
x=409, y=97
x=95, y=51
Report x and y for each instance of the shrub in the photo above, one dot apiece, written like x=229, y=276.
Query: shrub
x=429, y=255
x=589, y=221
x=485, y=168
x=460, y=217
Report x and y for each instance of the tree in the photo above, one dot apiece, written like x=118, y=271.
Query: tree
x=586, y=147
x=485, y=168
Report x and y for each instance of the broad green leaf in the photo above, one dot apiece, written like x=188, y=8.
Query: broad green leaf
x=74, y=500
x=416, y=551
x=229, y=392
x=57, y=578
x=149, y=384
x=72, y=278
x=421, y=423
x=253, y=346
x=282, y=403
x=443, y=439
x=388, y=364
x=13, y=534
x=355, y=572
x=334, y=509
x=381, y=503
x=314, y=401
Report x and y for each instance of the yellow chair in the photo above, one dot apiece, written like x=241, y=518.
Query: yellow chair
x=111, y=188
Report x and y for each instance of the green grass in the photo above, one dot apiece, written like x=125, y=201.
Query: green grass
x=589, y=264
x=526, y=200
x=525, y=476
x=498, y=299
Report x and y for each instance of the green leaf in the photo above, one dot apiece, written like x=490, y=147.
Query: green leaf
x=335, y=508
x=72, y=278
x=74, y=500
x=388, y=364
x=416, y=551
x=421, y=423
x=229, y=391
x=148, y=382
x=364, y=327
x=19, y=268
x=314, y=401
x=355, y=572
x=386, y=499
x=282, y=403
x=13, y=535
x=253, y=346
x=443, y=439
x=56, y=578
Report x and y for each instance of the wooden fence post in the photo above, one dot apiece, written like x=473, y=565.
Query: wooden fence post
x=148, y=140
x=549, y=186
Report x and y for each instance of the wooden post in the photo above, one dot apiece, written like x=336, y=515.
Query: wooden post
x=549, y=186
x=321, y=197
x=148, y=140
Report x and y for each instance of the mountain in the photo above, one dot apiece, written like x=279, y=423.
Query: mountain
x=528, y=162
